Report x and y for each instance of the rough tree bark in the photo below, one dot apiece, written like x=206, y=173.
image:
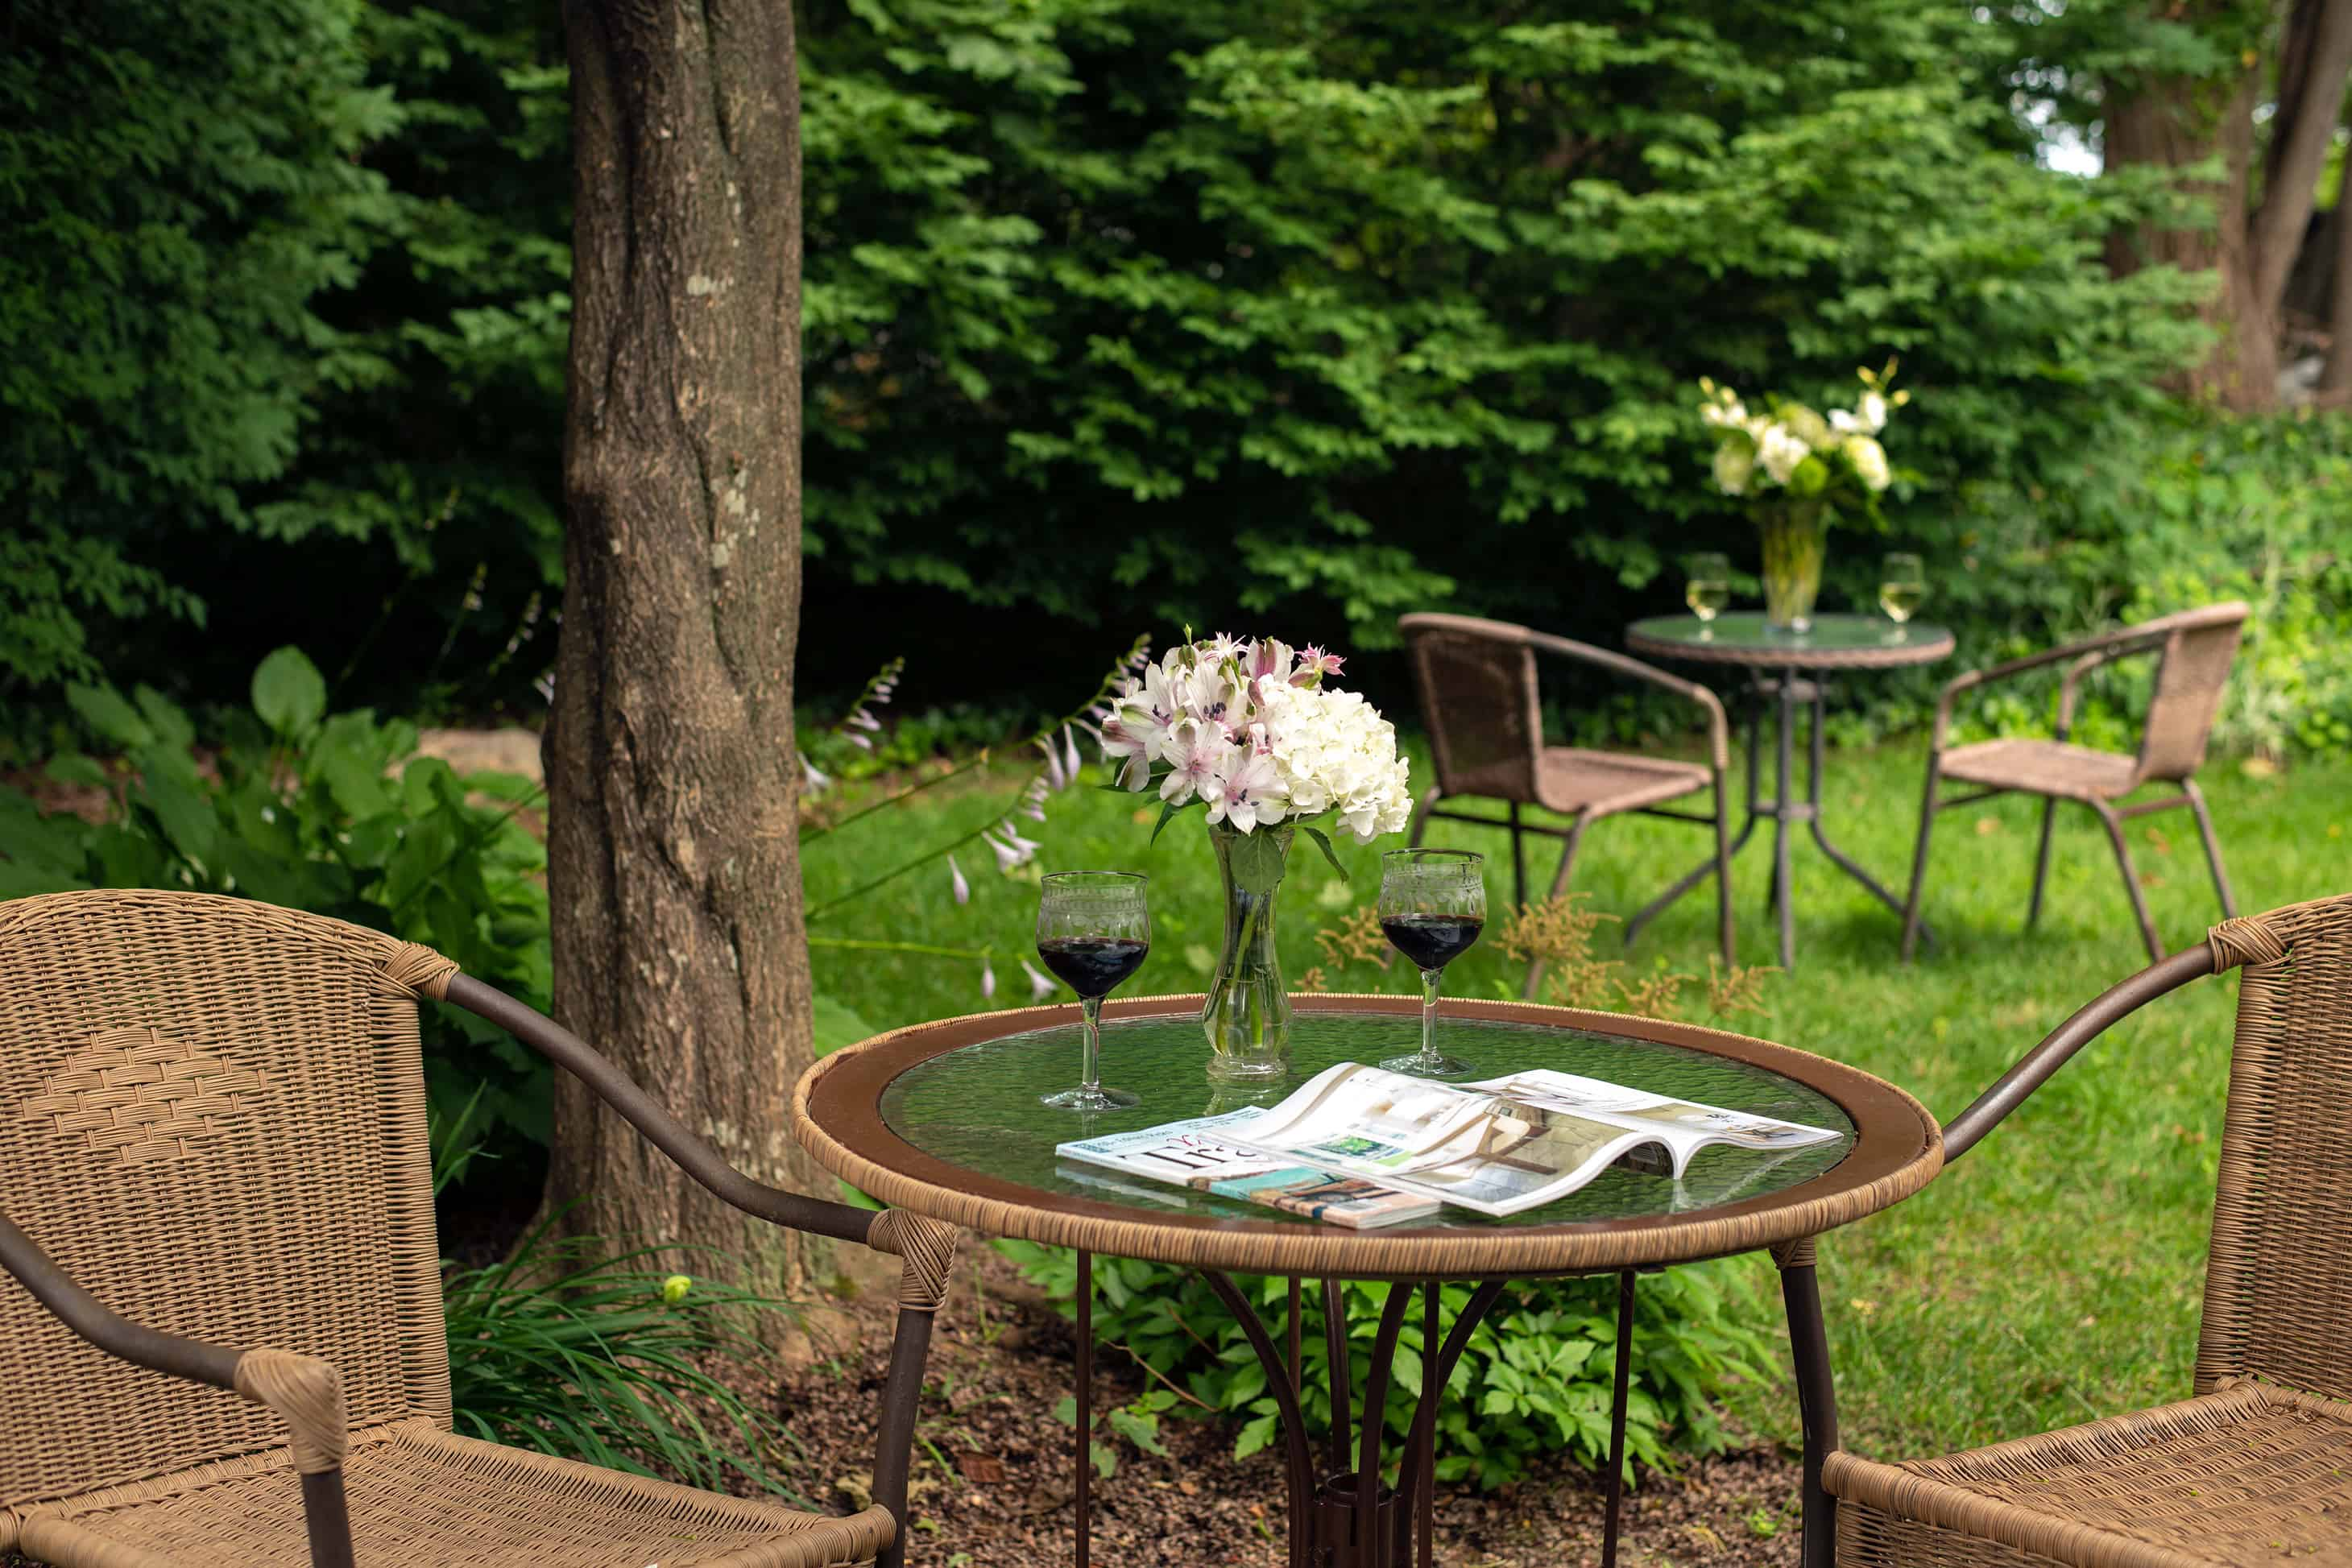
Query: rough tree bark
x=2178, y=121
x=674, y=872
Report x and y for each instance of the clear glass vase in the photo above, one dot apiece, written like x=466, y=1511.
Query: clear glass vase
x=1247, y=1014
x=1795, y=536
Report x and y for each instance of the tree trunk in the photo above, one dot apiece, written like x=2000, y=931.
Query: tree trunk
x=674, y=870
x=2178, y=121
x=2335, y=382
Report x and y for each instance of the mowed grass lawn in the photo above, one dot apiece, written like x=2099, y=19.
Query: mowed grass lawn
x=2052, y=1276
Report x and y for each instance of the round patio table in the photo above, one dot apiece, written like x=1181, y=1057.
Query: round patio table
x=943, y=1119
x=1786, y=669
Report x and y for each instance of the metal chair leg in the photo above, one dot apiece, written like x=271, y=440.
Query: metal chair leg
x=1518, y=861
x=1919, y=855
x=2212, y=847
x=1421, y=810
x=2041, y=861
x=1559, y=886
x=2115, y=825
x=1723, y=869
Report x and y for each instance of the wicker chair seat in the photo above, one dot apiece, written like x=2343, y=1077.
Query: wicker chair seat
x=1597, y=783
x=2249, y=1474
x=2044, y=767
x=418, y=1494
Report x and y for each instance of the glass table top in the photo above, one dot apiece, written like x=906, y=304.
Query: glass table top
x=977, y=1107
x=1747, y=629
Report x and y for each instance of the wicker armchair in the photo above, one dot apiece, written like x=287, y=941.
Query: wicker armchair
x=2195, y=650
x=2258, y=1466
x=213, y=1136
x=1478, y=695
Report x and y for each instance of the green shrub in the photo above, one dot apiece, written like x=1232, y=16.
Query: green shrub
x=1534, y=1379
x=328, y=812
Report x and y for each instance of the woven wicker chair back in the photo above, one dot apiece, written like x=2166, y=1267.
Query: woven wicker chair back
x=212, y=1116
x=1477, y=687
x=2278, y=1284
x=2190, y=675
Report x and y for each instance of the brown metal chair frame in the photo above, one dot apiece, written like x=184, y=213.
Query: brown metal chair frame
x=2161, y=637
x=307, y=1391
x=1913, y=1512
x=1506, y=634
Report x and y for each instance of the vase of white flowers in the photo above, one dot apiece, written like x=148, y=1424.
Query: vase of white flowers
x=1252, y=732
x=1800, y=472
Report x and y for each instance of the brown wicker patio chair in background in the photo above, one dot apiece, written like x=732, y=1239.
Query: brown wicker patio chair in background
x=2257, y=1467
x=1479, y=698
x=214, y=1170
x=2194, y=652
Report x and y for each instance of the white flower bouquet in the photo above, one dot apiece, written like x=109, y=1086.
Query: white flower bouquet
x=1253, y=731
x=1800, y=472
x=1792, y=448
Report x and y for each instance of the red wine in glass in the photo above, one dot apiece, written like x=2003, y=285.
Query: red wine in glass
x=1094, y=928
x=1092, y=965
x=1433, y=906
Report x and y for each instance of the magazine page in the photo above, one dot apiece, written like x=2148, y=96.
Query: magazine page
x=1189, y=1153
x=1684, y=1125
x=1465, y=1147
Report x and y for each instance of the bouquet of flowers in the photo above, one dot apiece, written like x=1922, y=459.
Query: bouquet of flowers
x=1254, y=732
x=1796, y=450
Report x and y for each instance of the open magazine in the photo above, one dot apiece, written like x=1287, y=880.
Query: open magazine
x=1494, y=1147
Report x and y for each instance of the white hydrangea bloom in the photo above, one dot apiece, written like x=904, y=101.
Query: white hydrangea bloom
x=1735, y=464
x=1780, y=450
x=1869, y=460
x=1333, y=751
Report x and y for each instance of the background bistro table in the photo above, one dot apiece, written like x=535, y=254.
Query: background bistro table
x=1786, y=669
x=943, y=1119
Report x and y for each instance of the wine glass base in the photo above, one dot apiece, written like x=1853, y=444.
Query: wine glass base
x=1420, y=1066
x=1085, y=1099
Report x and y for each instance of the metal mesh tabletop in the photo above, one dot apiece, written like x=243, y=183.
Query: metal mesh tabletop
x=977, y=1107
x=943, y=1119
x=1833, y=641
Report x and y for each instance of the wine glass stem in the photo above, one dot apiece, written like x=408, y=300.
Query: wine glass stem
x=1429, y=978
x=1092, y=1007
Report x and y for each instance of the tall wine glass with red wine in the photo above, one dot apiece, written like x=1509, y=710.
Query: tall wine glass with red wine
x=1433, y=906
x=1093, y=930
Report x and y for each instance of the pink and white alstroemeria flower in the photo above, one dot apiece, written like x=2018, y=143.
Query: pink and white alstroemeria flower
x=1244, y=791
x=1135, y=771
x=1193, y=752
x=1314, y=664
x=1269, y=660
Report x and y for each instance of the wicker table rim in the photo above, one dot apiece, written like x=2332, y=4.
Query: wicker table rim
x=1898, y=1160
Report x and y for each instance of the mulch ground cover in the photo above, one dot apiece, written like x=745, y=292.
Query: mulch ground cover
x=993, y=1486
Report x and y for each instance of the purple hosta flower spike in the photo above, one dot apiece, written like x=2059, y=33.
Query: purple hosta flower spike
x=1008, y=859
x=1026, y=848
x=864, y=720
x=1070, y=761
x=987, y=980
x=1040, y=986
x=955, y=881
x=859, y=741
x=1052, y=779
x=818, y=783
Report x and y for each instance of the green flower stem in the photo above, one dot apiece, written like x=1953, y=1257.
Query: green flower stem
x=922, y=947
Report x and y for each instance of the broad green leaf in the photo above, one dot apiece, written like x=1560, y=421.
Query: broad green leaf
x=74, y=768
x=837, y=1026
x=104, y=709
x=289, y=693
x=1258, y=859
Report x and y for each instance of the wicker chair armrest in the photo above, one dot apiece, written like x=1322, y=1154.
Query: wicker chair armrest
x=2037, y=1066
x=304, y=1390
x=2087, y=655
x=1718, y=730
x=692, y=1154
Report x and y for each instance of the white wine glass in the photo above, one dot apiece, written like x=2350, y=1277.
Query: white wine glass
x=1902, y=585
x=1433, y=907
x=1708, y=589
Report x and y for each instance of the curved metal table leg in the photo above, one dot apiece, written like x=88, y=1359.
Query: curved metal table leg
x=1816, y=1396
